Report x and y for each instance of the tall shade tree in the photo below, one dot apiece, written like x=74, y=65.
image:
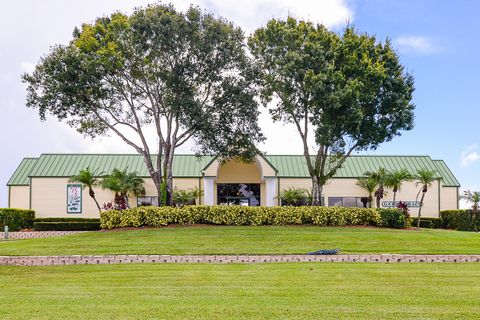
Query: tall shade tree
x=345, y=92
x=396, y=178
x=88, y=179
x=379, y=177
x=472, y=197
x=370, y=185
x=424, y=178
x=183, y=76
x=123, y=183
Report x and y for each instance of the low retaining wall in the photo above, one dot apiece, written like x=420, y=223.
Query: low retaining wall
x=38, y=234
x=222, y=259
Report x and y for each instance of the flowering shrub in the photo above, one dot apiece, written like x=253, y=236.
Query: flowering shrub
x=240, y=215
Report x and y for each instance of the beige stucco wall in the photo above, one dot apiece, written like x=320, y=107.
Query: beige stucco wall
x=349, y=188
x=449, y=198
x=19, y=197
x=49, y=196
x=237, y=168
x=239, y=172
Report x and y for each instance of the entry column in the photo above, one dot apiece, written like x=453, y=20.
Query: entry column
x=271, y=191
x=208, y=190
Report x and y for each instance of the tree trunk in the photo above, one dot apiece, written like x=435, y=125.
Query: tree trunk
x=420, y=209
x=168, y=173
x=370, y=200
x=394, y=195
x=379, y=195
x=317, y=190
x=92, y=195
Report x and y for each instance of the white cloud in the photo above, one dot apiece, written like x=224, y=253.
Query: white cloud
x=416, y=45
x=469, y=156
x=27, y=67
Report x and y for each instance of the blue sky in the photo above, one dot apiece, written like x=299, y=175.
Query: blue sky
x=436, y=40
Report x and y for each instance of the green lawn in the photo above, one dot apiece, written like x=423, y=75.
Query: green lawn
x=250, y=240
x=262, y=291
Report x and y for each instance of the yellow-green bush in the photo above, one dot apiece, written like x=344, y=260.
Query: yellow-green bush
x=240, y=215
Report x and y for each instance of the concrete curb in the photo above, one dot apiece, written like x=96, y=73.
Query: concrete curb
x=224, y=259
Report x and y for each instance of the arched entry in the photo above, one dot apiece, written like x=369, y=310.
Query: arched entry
x=238, y=183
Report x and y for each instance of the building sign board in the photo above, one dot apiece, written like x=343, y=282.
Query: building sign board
x=394, y=204
x=74, y=198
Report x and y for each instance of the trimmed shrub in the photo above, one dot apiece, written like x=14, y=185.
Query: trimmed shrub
x=66, y=226
x=66, y=220
x=240, y=215
x=459, y=220
x=393, y=218
x=16, y=219
x=429, y=223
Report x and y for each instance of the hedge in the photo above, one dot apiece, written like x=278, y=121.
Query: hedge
x=429, y=223
x=240, y=215
x=67, y=220
x=16, y=219
x=459, y=220
x=66, y=226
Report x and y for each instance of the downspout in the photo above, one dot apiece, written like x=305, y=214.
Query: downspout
x=439, y=197
x=278, y=191
x=30, y=194
x=199, y=191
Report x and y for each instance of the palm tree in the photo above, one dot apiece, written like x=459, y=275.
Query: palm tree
x=123, y=184
x=88, y=179
x=425, y=178
x=395, y=180
x=379, y=177
x=368, y=184
x=472, y=197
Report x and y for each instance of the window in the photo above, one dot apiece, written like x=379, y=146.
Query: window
x=147, y=201
x=352, y=202
x=243, y=194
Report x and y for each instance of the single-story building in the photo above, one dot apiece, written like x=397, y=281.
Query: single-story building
x=42, y=183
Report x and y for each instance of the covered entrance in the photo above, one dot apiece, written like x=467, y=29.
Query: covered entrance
x=238, y=183
x=243, y=194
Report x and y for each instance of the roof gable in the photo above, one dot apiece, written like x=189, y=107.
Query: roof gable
x=21, y=175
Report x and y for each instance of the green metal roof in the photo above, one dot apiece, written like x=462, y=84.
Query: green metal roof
x=449, y=179
x=20, y=176
x=293, y=166
x=66, y=165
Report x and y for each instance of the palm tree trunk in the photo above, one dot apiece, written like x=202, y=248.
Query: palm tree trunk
x=92, y=195
x=394, y=196
x=420, y=209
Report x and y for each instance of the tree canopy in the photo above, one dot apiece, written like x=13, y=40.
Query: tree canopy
x=184, y=75
x=348, y=91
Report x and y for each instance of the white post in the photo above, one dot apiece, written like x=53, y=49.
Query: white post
x=208, y=192
x=271, y=190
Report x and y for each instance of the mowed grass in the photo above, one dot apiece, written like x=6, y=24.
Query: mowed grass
x=250, y=240
x=262, y=291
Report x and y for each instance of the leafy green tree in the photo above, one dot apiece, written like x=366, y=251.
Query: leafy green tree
x=396, y=178
x=424, y=178
x=123, y=184
x=472, y=197
x=88, y=179
x=345, y=92
x=370, y=185
x=184, y=76
x=379, y=177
